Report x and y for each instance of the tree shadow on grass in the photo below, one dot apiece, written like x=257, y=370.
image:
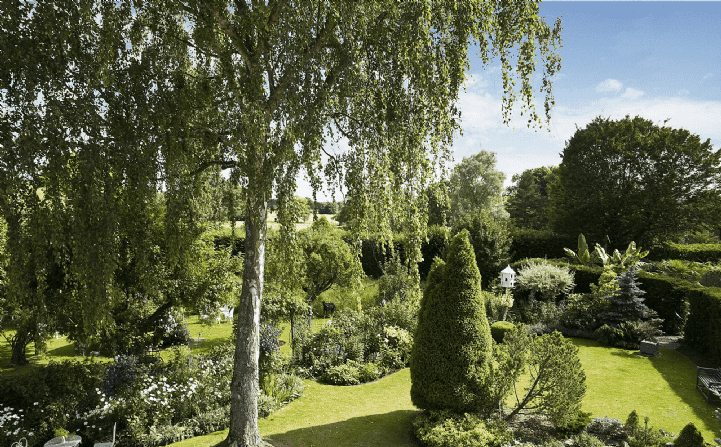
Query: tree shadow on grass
x=680, y=374
x=378, y=430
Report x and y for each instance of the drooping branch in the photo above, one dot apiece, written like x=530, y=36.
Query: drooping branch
x=277, y=91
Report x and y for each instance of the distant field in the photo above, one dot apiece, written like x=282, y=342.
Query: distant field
x=273, y=224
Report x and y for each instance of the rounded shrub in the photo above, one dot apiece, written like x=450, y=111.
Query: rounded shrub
x=499, y=329
x=690, y=436
x=451, y=355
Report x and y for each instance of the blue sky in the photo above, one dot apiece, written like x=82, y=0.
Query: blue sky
x=657, y=60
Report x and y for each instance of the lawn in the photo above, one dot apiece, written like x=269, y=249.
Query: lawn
x=380, y=413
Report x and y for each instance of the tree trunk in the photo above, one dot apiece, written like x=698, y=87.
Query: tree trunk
x=244, y=387
x=18, y=343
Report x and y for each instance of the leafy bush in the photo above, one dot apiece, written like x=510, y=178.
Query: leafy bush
x=587, y=440
x=171, y=331
x=499, y=330
x=546, y=280
x=343, y=374
x=574, y=425
x=581, y=312
x=451, y=357
x=690, y=436
x=368, y=372
x=369, y=338
x=282, y=388
x=447, y=429
x=497, y=305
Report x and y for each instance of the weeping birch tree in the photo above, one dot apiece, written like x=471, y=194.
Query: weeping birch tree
x=361, y=94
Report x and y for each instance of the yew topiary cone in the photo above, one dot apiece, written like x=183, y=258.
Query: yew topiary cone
x=452, y=349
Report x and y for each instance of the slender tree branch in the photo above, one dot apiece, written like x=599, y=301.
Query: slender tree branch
x=225, y=26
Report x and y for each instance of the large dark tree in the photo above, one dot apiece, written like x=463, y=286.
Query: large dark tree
x=528, y=200
x=632, y=180
x=105, y=101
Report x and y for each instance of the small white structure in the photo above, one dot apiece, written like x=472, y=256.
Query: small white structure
x=508, y=277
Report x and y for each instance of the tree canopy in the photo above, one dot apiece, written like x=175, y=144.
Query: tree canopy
x=476, y=185
x=528, y=198
x=104, y=103
x=632, y=180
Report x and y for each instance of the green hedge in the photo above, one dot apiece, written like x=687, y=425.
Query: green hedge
x=686, y=252
x=667, y=296
x=539, y=244
x=703, y=325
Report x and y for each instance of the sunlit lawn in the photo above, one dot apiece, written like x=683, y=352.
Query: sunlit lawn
x=379, y=413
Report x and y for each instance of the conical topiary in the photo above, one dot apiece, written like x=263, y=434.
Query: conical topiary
x=452, y=348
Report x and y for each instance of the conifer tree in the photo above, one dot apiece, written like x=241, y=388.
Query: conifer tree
x=452, y=349
x=627, y=303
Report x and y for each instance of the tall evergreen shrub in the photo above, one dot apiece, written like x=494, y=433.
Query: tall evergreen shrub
x=450, y=361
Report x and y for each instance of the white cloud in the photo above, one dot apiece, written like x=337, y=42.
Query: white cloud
x=683, y=92
x=632, y=93
x=609, y=85
x=707, y=76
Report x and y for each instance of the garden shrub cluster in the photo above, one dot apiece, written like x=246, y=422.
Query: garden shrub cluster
x=153, y=403
x=355, y=348
x=444, y=428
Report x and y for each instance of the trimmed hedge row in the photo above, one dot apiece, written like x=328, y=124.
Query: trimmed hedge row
x=703, y=325
x=686, y=252
x=667, y=296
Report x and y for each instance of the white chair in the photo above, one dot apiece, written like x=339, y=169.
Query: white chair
x=227, y=312
x=108, y=444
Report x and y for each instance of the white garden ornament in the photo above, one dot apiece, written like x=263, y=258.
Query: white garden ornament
x=508, y=277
